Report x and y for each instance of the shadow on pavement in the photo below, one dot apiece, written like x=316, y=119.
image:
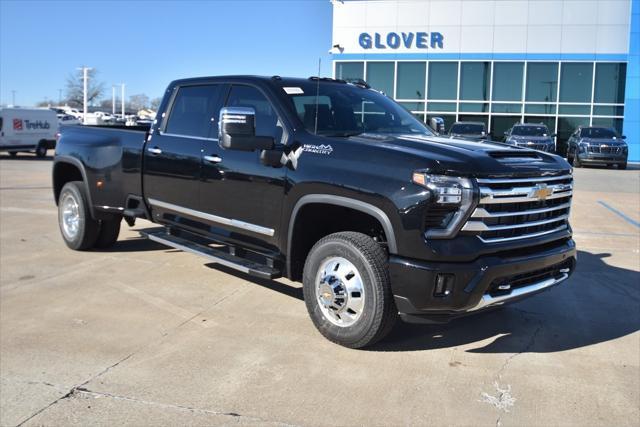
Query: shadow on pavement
x=136, y=244
x=599, y=303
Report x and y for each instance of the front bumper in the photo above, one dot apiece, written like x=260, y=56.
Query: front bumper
x=488, y=281
x=602, y=158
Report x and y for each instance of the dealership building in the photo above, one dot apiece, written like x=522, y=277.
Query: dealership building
x=564, y=63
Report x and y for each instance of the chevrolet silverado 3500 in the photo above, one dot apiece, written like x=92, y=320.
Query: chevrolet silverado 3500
x=332, y=184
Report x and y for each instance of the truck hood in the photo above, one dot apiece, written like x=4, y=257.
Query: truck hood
x=464, y=158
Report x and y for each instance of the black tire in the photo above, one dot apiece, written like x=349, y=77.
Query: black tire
x=88, y=228
x=622, y=166
x=576, y=160
x=13, y=154
x=108, y=234
x=41, y=150
x=379, y=313
x=569, y=157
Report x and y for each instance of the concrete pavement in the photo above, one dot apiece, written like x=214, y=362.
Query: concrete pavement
x=145, y=335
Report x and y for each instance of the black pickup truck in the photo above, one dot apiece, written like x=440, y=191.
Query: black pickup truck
x=329, y=183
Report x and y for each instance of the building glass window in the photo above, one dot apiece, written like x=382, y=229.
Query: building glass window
x=475, y=78
x=474, y=107
x=507, y=81
x=441, y=106
x=380, y=76
x=506, y=108
x=540, y=108
x=608, y=110
x=610, y=81
x=608, y=122
x=411, y=80
x=501, y=124
x=413, y=106
x=575, y=82
x=542, y=81
x=480, y=118
x=443, y=80
x=575, y=110
x=350, y=70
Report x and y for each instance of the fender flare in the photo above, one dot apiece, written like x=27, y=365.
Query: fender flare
x=77, y=163
x=346, y=202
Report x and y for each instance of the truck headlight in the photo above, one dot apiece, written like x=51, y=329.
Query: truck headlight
x=451, y=197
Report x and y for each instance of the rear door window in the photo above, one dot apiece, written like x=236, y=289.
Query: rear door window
x=193, y=110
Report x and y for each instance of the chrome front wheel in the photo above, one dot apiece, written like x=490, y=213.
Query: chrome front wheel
x=340, y=291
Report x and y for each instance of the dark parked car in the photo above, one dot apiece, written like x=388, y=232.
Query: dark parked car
x=468, y=130
x=599, y=145
x=328, y=183
x=530, y=135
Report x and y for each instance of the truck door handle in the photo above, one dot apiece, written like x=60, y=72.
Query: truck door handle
x=213, y=159
x=154, y=150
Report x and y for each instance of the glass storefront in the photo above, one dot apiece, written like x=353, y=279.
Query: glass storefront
x=562, y=95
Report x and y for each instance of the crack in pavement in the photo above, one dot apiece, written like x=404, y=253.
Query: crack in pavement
x=503, y=400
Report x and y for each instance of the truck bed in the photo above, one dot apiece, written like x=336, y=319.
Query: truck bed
x=111, y=155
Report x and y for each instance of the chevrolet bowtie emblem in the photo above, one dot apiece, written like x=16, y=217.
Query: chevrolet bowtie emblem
x=540, y=192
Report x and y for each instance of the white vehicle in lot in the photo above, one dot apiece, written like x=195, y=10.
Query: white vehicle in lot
x=28, y=129
x=68, y=119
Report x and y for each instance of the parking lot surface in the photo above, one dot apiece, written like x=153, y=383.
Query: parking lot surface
x=141, y=334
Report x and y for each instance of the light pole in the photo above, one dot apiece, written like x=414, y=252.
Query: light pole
x=122, y=94
x=85, y=79
x=13, y=98
x=113, y=100
x=60, y=97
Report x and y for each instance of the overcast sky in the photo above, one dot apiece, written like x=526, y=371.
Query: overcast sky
x=146, y=44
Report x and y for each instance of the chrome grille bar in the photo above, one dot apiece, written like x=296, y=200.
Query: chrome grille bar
x=481, y=226
x=483, y=213
x=517, y=180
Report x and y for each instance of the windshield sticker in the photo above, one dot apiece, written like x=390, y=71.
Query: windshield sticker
x=293, y=90
x=318, y=149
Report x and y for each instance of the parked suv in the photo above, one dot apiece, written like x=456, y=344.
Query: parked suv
x=468, y=130
x=531, y=135
x=597, y=145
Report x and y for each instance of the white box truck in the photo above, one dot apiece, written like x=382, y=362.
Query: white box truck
x=28, y=130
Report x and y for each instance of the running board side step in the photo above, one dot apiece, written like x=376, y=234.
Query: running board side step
x=218, y=256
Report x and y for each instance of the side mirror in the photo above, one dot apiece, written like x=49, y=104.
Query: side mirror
x=237, y=130
x=437, y=124
x=506, y=134
x=623, y=136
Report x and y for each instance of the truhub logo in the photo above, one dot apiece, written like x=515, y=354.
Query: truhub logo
x=30, y=125
x=419, y=40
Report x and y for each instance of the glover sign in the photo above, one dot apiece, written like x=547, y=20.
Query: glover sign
x=392, y=40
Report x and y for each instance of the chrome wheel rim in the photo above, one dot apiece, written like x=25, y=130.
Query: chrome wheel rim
x=70, y=216
x=340, y=291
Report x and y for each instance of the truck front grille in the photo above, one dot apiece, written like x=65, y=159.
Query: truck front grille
x=604, y=150
x=511, y=209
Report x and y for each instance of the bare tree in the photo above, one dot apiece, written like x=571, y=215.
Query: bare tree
x=75, y=85
x=155, y=103
x=138, y=102
x=45, y=103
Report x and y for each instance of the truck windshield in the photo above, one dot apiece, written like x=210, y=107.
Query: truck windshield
x=530, y=131
x=598, y=133
x=467, y=129
x=343, y=110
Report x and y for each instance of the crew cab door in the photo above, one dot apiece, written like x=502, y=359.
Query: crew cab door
x=245, y=195
x=173, y=154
